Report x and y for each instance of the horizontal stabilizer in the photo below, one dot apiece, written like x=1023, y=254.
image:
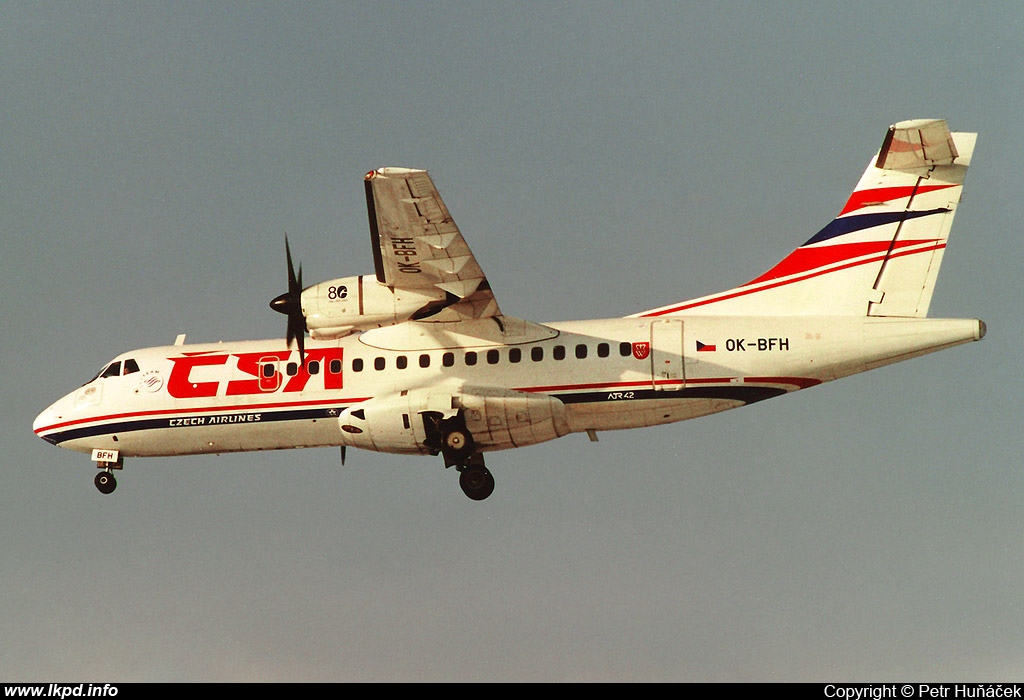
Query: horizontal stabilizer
x=920, y=143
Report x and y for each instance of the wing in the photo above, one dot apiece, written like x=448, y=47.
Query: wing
x=417, y=246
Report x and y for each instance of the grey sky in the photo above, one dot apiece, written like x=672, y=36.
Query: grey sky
x=601, y=158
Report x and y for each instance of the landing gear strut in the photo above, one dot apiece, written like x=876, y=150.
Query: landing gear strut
x=459, y=451
x=452, y=439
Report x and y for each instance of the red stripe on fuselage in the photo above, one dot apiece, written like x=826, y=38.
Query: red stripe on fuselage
x=802, y=382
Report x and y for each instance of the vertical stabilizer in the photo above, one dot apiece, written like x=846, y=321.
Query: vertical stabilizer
x=924, y=157
x=880, y=256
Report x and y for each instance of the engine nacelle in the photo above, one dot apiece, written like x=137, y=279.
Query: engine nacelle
x=414, y=422
x=336, y=308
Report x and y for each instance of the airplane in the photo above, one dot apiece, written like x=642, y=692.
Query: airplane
x=419, y=359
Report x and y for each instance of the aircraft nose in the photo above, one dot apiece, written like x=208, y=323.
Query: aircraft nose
x=47, y=420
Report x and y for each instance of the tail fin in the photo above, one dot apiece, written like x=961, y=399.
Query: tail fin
x=881, y=255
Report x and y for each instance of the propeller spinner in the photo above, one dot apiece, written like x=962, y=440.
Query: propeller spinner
x=290, y=304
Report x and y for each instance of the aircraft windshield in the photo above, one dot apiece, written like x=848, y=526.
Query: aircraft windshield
x=114, y=369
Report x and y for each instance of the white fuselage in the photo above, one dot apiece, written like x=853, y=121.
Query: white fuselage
x=517, y=382
x=419, y=359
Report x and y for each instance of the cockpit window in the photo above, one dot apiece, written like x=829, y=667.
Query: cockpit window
x=114, y=370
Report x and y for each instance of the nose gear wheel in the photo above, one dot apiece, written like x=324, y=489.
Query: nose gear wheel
x=105, y=482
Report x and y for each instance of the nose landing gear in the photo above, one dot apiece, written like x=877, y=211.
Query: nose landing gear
x=106, y=460
x=105, y=481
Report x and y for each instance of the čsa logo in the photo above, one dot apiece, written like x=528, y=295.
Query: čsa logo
x=252, y=373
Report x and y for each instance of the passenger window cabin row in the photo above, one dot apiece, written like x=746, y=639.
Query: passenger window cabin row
x=493, y=356
x=292, y=368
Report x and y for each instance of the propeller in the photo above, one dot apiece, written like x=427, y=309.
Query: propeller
x=290, y=304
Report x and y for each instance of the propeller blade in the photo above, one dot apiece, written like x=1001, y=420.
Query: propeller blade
x=290, y=304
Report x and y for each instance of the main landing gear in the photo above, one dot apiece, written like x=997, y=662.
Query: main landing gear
x=452, y=439
x=475, y=480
